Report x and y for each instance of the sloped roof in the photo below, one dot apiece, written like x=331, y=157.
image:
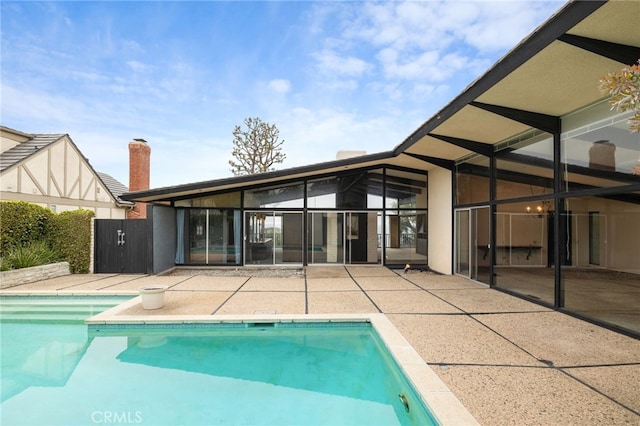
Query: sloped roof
x=114, y=186
x=24, y=150
x=35, y=142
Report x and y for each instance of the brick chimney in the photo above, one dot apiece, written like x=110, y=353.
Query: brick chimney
x=139, y=170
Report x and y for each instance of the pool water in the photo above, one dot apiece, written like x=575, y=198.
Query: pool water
x=202, y=374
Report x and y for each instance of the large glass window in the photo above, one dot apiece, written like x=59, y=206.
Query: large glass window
x=472, y=180
x=208, y=236
x=273, y=238
x=523, y=250
x=406, y=237
x=601, y=278
x=228, y=199
x=354, y=190
x=326, y=237
x=602, y=154
x=286, y=196
x=361, y=237
x=406, y=190
x=525, y=168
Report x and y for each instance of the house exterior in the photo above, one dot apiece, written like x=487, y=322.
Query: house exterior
x=49, y=170
x=524, y=182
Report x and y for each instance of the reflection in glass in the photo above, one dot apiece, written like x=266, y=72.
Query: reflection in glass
x=326, y=237
x=197, y=237
x=523, y=251
x=212, y=236
x=362, y=236
x=406, y=237
x=405, y=190
x=286, y=196
x=353, y=190
x=525, y=169
x=273, y=238
x=472, y=180
x=602, y=281
x=601, y=155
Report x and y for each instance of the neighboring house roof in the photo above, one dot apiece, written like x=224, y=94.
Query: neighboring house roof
x=24, y=150
x=115, y=187
x=31, y=144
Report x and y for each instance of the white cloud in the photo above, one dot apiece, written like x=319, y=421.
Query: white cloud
x=139, y=67
x=331, y=63
x=280, y=86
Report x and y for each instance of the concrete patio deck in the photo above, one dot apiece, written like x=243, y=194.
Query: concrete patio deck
x=510, y=362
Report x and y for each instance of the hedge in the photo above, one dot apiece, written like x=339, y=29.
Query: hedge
x=72, y=236
x=23, y=224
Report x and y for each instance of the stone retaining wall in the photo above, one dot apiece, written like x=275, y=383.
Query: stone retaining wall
x=37, y=273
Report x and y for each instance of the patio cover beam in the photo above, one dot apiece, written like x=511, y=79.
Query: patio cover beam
x=440, y=162
x=478, y=147
x=544, y=122
x=622, y=53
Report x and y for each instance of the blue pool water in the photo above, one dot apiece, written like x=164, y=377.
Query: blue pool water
x=201, y=374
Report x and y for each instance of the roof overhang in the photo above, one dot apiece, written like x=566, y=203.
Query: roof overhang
x=552, y=73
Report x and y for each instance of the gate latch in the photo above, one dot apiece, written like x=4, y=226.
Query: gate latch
x=120, y=237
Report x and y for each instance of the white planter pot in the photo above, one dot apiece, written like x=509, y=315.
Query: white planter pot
x=152, y=296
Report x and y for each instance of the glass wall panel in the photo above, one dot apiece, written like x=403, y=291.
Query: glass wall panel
x=523, y=250
x=224, y=242
x=260, y=228
x=325, y=237
x=321, y=193
x=208, y=236
x=273, y=238
x=229, y=199
x=197, y=237
x=362, y=230
x=354, y=190
x=463, y=242
x=472, y=258
x=406, y=238
x=288, y=196
x=406, y=190
x=601, y=279
x=288, y=238
x=602, y=154
x=472, y=180
x=525, y=168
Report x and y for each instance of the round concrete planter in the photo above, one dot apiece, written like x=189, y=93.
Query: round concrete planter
x=152, y=296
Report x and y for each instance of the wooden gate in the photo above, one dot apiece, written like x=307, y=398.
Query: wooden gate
x=120, y=246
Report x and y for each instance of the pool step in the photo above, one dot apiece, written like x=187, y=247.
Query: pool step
x=52, y=309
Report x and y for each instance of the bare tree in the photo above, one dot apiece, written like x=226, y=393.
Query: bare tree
x=256, y=148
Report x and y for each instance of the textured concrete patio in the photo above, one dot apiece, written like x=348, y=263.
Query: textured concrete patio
x=510, y=362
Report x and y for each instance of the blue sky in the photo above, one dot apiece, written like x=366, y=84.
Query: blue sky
x=331, y=76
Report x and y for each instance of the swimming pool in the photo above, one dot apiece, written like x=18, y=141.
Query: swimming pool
x=204, y=372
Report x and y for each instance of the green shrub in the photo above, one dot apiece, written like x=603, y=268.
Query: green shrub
x=72, y=236
x=33, y=254
x=22, y=223
x=26, y=228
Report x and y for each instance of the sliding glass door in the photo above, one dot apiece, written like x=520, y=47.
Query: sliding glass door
x=273, y=238
x=472, y=248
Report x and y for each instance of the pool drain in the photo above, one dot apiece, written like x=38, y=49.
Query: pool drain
x=404, y=401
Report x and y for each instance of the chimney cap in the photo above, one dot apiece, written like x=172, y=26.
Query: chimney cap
x=139, y=140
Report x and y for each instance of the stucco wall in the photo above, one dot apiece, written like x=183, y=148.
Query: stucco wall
x=440, y=221
x=163, y=237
